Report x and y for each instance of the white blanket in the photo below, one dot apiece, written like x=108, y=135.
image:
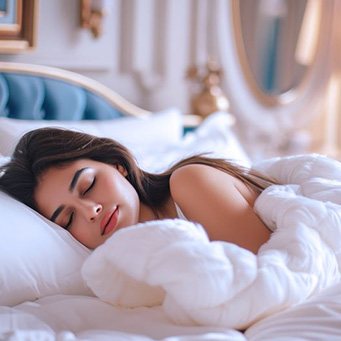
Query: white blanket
x=173, y=263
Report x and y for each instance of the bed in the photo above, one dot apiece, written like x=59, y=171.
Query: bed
x=45, y=293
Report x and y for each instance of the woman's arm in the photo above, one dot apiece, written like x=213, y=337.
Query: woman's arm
x=219, y=202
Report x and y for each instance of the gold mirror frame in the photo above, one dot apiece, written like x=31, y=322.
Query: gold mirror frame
x=309, y=77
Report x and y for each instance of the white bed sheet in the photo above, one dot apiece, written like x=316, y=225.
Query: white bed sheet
x=67, y=317
x=71, y=317
x=318, y=318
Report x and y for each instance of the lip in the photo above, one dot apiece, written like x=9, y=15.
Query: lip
x=109, y=222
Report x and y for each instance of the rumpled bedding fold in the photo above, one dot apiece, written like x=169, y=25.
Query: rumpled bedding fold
x=173, y=263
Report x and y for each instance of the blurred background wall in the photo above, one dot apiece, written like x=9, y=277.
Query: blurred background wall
x=146, y=50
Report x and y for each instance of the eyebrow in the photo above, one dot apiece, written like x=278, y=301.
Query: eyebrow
x=72, y=186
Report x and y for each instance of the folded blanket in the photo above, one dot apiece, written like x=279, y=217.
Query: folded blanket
x=173, y=263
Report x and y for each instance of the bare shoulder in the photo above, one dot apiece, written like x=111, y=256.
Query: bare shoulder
x=192, y=169
x=198, y=175
x=191, y=182
x=219, y=202
x=196, y=171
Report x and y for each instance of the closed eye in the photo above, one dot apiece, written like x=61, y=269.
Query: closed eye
x=90, y=187
x=69, y=223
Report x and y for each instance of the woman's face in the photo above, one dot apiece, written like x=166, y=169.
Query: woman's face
x=90, y=199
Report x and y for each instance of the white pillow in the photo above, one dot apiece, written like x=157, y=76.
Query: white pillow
x=162, y=128
x=37, y=257
x=214, y=137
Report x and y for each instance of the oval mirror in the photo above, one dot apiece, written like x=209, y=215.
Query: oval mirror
x=270, y=105
x=278, y=42
x=271, y=31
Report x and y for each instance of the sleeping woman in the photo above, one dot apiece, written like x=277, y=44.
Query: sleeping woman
x=92, y=187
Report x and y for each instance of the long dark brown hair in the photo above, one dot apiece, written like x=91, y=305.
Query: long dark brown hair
x=40, y=149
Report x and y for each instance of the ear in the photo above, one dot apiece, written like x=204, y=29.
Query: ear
x=122, y=170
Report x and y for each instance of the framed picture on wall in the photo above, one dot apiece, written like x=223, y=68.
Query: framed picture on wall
x=17, y=25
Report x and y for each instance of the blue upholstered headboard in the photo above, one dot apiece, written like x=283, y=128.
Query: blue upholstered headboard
x=40, y=92
x=34, y=97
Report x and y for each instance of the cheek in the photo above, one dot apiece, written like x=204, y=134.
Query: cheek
x=126, y=189
x=119, y=187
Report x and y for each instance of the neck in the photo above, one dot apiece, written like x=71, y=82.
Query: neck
x=146, y=213
x=167, y=211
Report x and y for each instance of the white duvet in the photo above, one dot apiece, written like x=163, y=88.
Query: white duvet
x=172, y=263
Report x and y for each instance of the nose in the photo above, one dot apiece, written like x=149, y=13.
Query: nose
x=97, y=209
x=90, y=210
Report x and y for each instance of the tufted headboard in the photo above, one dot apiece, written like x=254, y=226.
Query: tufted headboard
x=35, y=92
